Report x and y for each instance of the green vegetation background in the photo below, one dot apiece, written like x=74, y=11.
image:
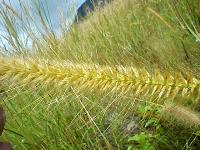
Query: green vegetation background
x=150, y=34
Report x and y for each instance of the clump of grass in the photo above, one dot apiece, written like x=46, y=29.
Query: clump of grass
x=103, y=53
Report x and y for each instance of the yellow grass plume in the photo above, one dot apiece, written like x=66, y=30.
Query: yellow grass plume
x=95, y=77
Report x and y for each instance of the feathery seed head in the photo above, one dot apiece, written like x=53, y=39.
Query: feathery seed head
x=106, y=78
x=181, y=114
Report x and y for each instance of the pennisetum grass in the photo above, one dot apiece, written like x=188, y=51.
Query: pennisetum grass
x=181, y=114
x=110, y=48
x=83, y=76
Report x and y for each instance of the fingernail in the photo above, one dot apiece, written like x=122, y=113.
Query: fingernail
x=2, y=120
x=5, y=146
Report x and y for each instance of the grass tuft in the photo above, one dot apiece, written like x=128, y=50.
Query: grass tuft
x=56, y=87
